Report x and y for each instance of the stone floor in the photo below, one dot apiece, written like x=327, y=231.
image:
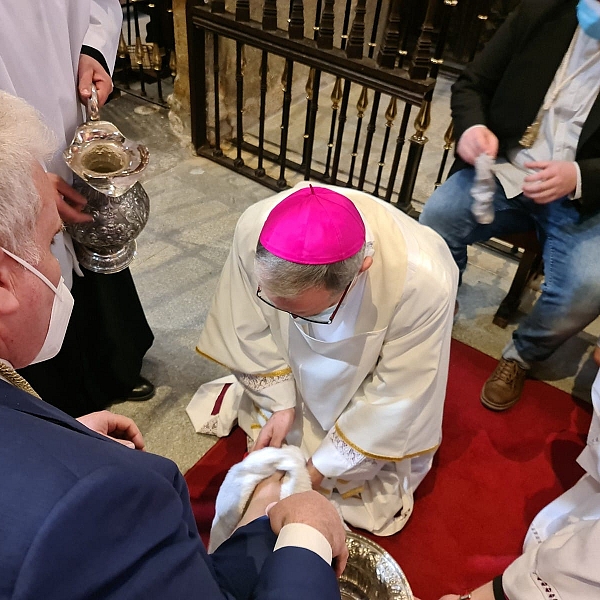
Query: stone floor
x=194, y=207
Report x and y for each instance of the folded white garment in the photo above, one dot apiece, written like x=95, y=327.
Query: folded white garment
x=242, y=479
x=213, y=408
x=483, y=190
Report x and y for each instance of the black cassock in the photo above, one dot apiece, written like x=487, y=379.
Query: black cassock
x=101, y=357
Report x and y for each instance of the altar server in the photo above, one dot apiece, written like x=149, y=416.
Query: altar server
x=50, y=53
x=561, y=552
x=334, y=312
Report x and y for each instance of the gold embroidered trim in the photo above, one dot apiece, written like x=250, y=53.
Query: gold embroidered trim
x=381, y=456
x=353, y=456
x=324, y=492
x=255, y=426
x=211, y=358
x=260, y=412
x=258, y=383
x=279, y=373
x=354, y=492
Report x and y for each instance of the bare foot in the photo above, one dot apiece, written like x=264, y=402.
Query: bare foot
x=265, y=493
x=597, y=355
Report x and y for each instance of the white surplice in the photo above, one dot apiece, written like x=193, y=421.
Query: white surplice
x=40, y=45
x=561, y=553
x=368, y=389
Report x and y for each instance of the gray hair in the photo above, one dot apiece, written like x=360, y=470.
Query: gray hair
x=24, y=140
x=288, y=279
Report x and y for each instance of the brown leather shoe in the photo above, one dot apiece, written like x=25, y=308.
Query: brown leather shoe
x=504, y=386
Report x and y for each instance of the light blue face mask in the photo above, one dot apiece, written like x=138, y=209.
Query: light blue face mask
x=588, y=15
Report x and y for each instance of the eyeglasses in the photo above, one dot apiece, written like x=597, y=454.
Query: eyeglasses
x=309, y=319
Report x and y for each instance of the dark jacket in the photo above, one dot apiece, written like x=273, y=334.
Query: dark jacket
x=504, y=87
x=83, y=517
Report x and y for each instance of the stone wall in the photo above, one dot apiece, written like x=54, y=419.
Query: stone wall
x=180, y=101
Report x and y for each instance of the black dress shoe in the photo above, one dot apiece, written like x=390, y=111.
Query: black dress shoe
x=144, y=390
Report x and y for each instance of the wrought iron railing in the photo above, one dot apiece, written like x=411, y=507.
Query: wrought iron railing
x=382, y=66
x=318, y=90
x=146, y=60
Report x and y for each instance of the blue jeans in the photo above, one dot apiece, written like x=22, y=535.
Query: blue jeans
x=570, y=297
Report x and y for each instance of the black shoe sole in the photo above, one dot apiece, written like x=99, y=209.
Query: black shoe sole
x=140, y=398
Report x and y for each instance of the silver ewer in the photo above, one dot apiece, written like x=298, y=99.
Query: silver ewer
x=107, y=167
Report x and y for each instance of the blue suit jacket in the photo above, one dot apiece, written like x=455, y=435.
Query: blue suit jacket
x=83, y=517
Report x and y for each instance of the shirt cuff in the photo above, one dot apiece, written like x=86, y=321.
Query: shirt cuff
x=473, y=127
x=577, y=194
x=301, y=535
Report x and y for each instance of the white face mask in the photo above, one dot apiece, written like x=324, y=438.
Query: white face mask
x=59, y=318
x=322, y=316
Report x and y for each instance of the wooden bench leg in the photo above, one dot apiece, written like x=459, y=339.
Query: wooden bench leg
x=529, y=265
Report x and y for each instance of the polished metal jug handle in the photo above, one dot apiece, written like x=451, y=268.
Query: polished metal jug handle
x=144, y=160
x=93, y=108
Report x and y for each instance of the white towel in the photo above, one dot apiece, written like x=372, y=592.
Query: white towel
x=242, y=479
x=483, y=189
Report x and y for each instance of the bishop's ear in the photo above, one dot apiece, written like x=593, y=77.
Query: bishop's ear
x=366, y=264
x=8, y=299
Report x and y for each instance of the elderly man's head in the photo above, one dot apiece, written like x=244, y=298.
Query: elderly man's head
x=29, y=273
x=310, y=250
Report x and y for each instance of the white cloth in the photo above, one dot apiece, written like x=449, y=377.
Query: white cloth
x=40, y=45
x=242, y=479
x=561, y=552
x=483, y=190
x=368, y=389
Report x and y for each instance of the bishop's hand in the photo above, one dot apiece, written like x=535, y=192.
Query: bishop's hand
x=316, y=477
x=276, y=428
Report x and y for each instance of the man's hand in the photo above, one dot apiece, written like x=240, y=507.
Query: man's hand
x=69, y=202
x=553, y=180
x=117, y=427
x=313, y=509
x=475, y=141
x=316, y=477
x=276, y=428
x=91, y=71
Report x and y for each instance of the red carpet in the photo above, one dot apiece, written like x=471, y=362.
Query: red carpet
x=492, y=474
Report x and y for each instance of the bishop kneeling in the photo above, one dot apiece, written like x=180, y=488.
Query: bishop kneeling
x=333, y=313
